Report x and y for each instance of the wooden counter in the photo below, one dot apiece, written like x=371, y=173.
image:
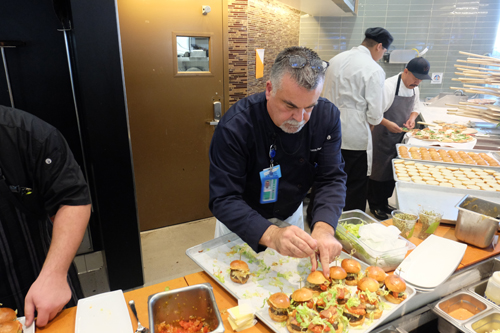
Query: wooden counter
x=65, y=321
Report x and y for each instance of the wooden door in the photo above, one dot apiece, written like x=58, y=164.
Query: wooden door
x=173, y=68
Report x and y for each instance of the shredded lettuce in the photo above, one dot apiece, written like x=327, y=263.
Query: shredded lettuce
x=286, y=275
x=352, y=228
x=353, y=302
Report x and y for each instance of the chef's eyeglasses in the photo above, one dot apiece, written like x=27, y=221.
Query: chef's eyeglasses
x=299, y=62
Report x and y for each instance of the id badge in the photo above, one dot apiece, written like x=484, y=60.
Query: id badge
x=269, y=184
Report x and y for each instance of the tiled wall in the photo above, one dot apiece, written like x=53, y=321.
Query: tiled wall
x=444, y=26
x=253, y=24
x=238, y=45
x=272, y=26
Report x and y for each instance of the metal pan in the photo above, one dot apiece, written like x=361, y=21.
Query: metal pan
x=215, y=253
x=492, y=154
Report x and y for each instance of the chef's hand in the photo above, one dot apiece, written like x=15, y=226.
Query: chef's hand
x=291, y=241
x=48, y=295
x=410, y=123
x=393, y=127
x=328, y=246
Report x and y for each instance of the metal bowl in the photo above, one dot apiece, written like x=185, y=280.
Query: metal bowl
x=477, y=221
x=172, y=305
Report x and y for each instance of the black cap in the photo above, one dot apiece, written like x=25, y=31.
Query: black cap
x=419, y=67
x=379, y=35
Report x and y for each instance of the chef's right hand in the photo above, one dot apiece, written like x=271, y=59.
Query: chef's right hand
x=393, y=127
x=291, y=241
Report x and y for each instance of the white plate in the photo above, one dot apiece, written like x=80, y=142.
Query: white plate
x=104, y=313
x=30, y=329
x=432, y=262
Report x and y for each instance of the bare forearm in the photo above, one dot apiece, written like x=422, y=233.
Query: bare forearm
x=70, y=223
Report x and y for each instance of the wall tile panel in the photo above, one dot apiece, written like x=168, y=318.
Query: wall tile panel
x=444, y=26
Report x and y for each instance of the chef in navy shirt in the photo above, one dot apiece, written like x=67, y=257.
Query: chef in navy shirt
x=266, y=153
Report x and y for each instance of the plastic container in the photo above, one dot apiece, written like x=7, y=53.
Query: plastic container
x=430, y=219
x=387, y=260
x=492, y=292
x=407, y=224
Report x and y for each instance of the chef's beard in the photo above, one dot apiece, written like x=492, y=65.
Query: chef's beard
x=292, y=126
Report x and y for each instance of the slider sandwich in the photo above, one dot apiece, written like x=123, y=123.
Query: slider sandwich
x=239, y=271
x=367, y=293
x=352, y=268
x=278, y=307
x=317, y=282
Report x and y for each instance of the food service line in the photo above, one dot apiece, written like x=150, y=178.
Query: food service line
x=65, y=321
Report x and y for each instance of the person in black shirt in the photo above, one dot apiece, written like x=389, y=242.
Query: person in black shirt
x=44, y=211
x=289, y=126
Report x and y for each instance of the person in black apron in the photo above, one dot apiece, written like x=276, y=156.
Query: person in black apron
x=44, y=210
x=401, y=113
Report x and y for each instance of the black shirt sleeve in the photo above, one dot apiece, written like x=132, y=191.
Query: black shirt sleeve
x=228, y=160
x=58, y=177
x=330, y=178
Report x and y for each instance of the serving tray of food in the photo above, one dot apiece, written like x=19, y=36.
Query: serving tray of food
x=268, y=274
x=476, y=178
x=466, y=157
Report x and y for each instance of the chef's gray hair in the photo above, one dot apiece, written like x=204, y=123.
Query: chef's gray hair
x=305, y=77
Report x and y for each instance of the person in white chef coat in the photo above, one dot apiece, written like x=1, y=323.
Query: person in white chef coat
x=354, y=82
x=402, y=106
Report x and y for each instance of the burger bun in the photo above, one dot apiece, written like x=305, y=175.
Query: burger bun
x=351, y=266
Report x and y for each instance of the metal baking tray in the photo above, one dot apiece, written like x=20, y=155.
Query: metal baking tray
x=410, y=195
x=274, y=272
x=436, y=164
x=492, y=154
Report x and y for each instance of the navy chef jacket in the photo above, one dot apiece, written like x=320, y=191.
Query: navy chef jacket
x=240, y=150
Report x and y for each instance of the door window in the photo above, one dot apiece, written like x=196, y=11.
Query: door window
x=193, y=54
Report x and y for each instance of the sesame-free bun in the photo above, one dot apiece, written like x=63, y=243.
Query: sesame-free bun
x=351, y=266
x=11, y=327
x=7, y=315
x=367, y=283
x=302, y=295
x=279, y=300
x=337, y=273
x=316, y=277
x=395, y=283
x=376, y=273
x=239, y=265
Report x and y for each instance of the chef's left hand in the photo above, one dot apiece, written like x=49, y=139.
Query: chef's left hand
x=328, y=246
x=410, y=123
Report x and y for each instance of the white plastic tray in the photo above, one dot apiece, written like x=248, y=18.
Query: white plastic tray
x=103, y=313
x=432, y=262
x=275, y=271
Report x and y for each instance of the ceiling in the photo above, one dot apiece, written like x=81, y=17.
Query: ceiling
x=316, y=7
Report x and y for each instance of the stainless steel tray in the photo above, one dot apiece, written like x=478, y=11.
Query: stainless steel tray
x=492, y=154
x=461, y=324
x=272, y=271
x=410, y=195
x=436, y=164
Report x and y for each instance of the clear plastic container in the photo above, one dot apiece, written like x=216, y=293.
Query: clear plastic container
x=430, y=219
x=387, y=260
x=493, y=288
x=405, y=222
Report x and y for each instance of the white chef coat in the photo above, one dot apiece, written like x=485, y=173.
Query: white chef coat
x=354, y=82
x=390, y=91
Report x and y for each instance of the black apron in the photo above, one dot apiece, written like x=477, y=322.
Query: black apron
x=384, y=142
x=24, y=243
